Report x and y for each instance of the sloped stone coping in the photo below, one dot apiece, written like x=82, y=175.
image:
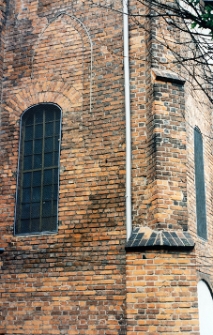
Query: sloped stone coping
x=146, y=238
x=167, y=76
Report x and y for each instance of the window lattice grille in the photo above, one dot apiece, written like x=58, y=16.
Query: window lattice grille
x=37, y=196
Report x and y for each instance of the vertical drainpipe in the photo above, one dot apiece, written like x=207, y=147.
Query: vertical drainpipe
x=128, y=120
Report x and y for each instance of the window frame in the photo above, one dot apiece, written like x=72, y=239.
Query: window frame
x=200, y=188
x=205, y=306
x=20, y=170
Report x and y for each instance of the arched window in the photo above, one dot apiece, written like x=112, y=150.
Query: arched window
x=205, y=308
x=200, y=184
x=38, y=175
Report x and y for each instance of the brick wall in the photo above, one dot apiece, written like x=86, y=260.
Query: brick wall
x=161, y=293
x=163, y=187
x=167, y=206
x=77, y=281
x=72, y=282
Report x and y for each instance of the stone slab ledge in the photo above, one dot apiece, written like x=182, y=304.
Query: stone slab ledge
x=146, y=238
x=167, y=76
